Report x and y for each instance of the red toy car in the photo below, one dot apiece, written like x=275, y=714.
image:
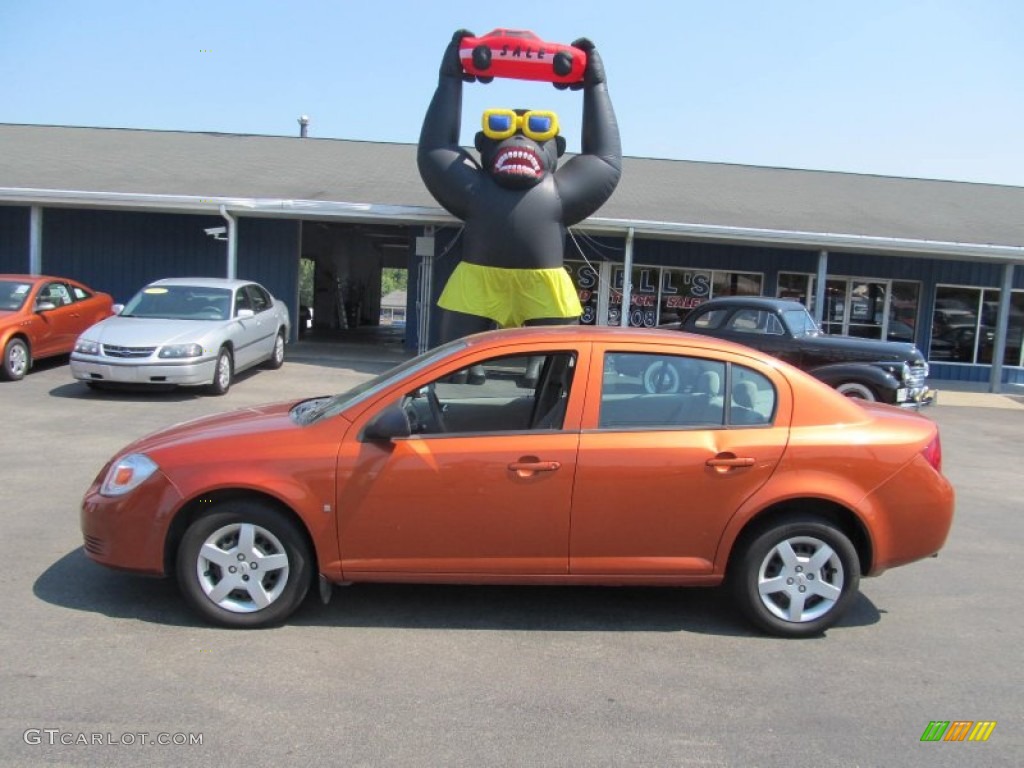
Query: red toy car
x=519, y=54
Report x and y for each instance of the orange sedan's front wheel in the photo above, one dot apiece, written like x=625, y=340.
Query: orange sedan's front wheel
x=16, y=360
x=244, y=565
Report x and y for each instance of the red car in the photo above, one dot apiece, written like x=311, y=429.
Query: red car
x=41, y=316
x=519, y=54
x=748, y=472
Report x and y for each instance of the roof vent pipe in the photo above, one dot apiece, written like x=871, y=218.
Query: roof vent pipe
x=303, y=126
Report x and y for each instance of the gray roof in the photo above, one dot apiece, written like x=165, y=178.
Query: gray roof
x=290, y=176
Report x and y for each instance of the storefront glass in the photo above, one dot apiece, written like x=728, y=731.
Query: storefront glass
x=964, y=326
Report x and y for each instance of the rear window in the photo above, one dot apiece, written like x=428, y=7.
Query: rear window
x=711, y=318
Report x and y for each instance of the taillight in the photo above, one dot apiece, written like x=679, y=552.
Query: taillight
x=933, y=453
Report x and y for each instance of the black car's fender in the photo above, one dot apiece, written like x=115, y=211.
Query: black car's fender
x=882, y=384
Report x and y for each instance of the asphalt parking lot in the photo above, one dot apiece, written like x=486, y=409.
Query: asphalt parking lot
x=97, y=665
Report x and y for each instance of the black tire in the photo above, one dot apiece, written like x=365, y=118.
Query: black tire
x=17, y=360
x=223, y=373
x=562, y=64
x=248, y=533
x=802, y=540
x=276, y=359
x=482, y=57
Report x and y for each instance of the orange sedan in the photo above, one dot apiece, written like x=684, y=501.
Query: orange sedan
x=41, y=316
x=636, y=457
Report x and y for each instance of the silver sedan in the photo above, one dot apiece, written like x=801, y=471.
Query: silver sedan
x=185, y=331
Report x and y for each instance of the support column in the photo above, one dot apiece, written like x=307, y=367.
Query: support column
x=35, y=240
x=995, y=381
x=627, y=279
x=819, y=289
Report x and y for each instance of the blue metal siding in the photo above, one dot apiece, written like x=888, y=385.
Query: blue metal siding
x=14, y=234
x=268, y=253
x=120, y=251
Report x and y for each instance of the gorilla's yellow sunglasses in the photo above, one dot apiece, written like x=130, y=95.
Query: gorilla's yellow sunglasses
x=536, y=124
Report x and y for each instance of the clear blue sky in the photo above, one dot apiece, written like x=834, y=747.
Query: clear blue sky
x=929, y=89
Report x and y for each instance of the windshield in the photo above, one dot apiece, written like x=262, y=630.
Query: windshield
x=13, y=294
x=180, y=302
x=800, y=322
x=324, y=408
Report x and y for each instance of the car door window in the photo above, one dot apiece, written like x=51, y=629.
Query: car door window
x=749, y=321
x=504, y=394
x=259, y=298
x=753, y=397
x=242, y=301
x=79, y=294
x=56, y=294
x=657, y=391
x=711, y=318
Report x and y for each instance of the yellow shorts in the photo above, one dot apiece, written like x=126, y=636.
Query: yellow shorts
x=510, y=297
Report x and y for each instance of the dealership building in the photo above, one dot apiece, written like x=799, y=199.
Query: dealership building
x=933, y=262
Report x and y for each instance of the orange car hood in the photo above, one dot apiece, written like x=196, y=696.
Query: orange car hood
x=263, y=421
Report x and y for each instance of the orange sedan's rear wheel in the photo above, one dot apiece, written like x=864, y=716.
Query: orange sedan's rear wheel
x=797, y=578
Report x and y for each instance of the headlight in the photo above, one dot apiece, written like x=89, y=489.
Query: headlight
x=87, y=347
x=181, y=350
x=126, y=474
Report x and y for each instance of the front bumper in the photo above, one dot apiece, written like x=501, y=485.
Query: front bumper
x=916, y=397
x=129, y=532
x=165, y=372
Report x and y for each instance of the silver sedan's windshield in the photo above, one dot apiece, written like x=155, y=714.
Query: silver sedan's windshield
x=800, y=323
x=180, y=302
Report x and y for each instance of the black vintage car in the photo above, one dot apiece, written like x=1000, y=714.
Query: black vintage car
x=887, y=371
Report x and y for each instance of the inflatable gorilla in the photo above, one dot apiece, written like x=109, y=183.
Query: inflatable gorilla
x=515, y=205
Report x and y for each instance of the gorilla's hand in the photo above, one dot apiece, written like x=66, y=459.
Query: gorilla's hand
x=594, y=73
x=451, y=66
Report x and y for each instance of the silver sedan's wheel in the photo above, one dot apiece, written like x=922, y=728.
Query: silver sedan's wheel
x=245, y=564
x=16, y=360
x=857, y=391
x=222, y=373
x=796, y=578
x=276, y=359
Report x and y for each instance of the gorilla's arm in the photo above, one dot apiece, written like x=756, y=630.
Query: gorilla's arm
x=448, y=171
x=586, y=181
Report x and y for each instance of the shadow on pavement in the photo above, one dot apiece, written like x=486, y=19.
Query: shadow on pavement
x=77, y=583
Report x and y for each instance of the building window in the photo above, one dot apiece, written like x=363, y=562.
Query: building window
x=657, y=294
x=860, y=306
x=964, y=326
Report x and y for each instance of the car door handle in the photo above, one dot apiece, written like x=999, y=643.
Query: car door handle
x=526, y=466
x=728, y=461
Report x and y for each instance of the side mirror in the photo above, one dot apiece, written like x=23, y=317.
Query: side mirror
x=244, y=313
x=390, y=423
x=117, y=309
x=45, y=306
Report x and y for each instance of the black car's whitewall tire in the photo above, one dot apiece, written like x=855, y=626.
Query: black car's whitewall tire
x=856, y=390
x=797, y=577
x=245, y=564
